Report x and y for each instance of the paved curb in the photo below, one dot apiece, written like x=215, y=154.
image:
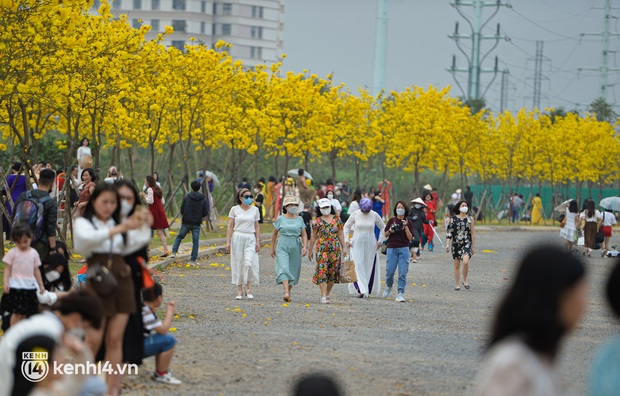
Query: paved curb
x=220, y=248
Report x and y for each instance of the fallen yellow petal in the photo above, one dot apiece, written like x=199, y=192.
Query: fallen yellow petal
x=244, y=315
x=172, y=329
x=293, y=343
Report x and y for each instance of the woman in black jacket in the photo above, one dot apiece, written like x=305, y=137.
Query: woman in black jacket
x=418, y=217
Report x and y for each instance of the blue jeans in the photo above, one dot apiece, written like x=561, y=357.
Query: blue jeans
x=158, y=343
x=195, y=239
x=397, y=257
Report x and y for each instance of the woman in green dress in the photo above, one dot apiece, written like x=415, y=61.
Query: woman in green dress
x=289, y=247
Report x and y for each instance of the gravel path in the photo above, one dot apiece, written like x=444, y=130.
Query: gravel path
x=430, y=345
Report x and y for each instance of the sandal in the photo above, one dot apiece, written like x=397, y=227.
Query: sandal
x=458, y=288
x=287, y=297
x=466, y=286
x=323, y=300
x=249, y=294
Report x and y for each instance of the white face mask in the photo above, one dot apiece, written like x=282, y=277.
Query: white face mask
x=326, y=211
x=330, y=196
x=400, y=211
x=255, y=191
x=463, y=209
x=292, y=209
x=418, y=206
x=126, y=207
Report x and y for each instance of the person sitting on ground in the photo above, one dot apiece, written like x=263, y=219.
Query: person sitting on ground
x=194, y=208
x=161, y=344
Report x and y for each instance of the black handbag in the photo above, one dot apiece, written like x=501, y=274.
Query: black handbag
x=99, y=276
x=600, y=236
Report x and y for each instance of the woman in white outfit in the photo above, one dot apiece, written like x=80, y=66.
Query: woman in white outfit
x=243, y=243
x=84, y=156
x=569, y=231
x=101, y=237
x=364, y=248
x=355, y=201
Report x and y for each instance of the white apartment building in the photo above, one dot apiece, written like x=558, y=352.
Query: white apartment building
x=254, y=27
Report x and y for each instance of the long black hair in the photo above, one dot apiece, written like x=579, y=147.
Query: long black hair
x=531, y=307
x=590, y=208
x=124, y=183
x=573, y=207
x=89, y=211
x=319, y=214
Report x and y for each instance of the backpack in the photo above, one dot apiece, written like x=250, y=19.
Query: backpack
x=32, y=212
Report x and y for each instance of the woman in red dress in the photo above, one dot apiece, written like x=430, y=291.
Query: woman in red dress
x=431, y=209
x=154, y=198
x=385, y=187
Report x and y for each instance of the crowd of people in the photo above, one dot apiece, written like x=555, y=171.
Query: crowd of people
x=108, y=318
x=331, y=224
x=111, y=317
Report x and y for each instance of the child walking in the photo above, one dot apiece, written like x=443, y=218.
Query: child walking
x=21, y=276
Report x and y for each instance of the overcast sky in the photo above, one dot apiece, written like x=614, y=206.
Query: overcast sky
x=338, y=36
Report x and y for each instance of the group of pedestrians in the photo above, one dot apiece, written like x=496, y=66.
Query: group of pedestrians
x=589, y=224
x=333, y=240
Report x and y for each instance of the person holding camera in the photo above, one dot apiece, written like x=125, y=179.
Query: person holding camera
x=399, y=232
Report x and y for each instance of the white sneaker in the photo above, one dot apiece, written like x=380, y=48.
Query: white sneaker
x=173, y=255
x=386, y=292
x=192, y=263
x=239, y=297
x=400, y=298
x=166, y=379
x=250, y=296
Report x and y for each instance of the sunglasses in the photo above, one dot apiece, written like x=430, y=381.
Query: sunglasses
x=247, y=196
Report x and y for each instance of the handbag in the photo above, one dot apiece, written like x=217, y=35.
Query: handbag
x=347, y=272
x=99, y=276
x=600, y=235
x=147, y=279
x=384, y=246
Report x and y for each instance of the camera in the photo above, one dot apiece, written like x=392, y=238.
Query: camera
x=397, y=227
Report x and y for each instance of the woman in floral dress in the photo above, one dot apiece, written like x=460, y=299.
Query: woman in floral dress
x=461, y=232
x=329, y=238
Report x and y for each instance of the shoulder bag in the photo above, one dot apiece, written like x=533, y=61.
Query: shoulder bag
x=100, y=277
x=600, y=235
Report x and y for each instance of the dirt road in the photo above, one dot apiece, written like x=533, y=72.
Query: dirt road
x=430, y=345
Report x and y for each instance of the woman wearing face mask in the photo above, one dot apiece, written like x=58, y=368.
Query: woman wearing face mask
x=431, y=209
x=101, y=237
x=461, y=232
x=545, y=303
x=364, y=248
x=418, y=216
x=243, y=243
x=290, y=249
x=329, y=239
x=133, y=340
x=399, y=232
x=333, y=201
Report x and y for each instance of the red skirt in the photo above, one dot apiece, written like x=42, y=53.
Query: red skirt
x=160, y=221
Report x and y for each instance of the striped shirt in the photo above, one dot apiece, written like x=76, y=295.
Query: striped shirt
x=150, y=320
